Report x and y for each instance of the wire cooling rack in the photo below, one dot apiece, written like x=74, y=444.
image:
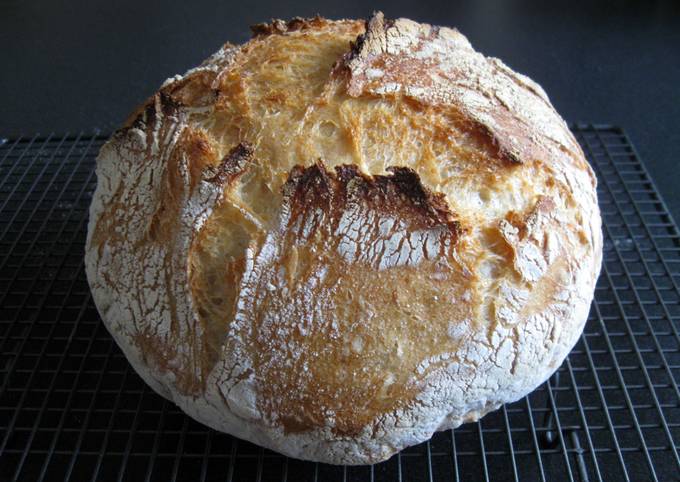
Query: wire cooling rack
x=71, y=407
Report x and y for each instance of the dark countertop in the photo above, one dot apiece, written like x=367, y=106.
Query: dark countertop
x=74, y=66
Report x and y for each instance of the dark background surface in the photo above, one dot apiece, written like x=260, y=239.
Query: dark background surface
x=71, y=66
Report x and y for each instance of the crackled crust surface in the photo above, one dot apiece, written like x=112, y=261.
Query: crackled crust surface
x=340, y=237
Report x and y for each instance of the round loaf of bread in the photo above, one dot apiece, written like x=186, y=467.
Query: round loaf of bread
x=342, y=236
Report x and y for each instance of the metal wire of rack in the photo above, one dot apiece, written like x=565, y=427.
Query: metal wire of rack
x=72, y=408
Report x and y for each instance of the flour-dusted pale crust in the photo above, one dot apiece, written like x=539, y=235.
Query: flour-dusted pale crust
x=340, y=237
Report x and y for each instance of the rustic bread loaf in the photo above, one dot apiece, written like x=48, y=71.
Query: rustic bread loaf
x=340, y=237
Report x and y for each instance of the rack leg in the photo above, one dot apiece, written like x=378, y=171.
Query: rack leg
x=550, y=438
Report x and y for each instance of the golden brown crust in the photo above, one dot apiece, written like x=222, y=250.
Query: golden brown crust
x=342, y=236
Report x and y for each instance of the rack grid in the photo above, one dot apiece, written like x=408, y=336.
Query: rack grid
x=72, y=408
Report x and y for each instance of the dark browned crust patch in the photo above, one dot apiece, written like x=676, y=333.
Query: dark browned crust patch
x=145, y=114
x=376, y=22
x=317, y=198
x=279, y=27
x=233, y=164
